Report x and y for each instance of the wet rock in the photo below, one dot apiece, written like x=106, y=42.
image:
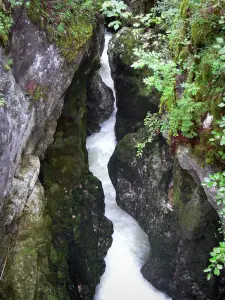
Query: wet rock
x=100, y=103
x=31, y=220
x=133, y=97
x=173, y=209
x=75, y=200
x=93, y=234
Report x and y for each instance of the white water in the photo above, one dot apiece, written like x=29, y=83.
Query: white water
x=122, y=279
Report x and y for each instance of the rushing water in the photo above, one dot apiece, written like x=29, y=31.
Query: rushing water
x=122, y=279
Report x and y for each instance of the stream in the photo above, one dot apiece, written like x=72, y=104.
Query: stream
x=122, y=279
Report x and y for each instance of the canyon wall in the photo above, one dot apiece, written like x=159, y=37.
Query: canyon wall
x=53, y=233
x=162, y=191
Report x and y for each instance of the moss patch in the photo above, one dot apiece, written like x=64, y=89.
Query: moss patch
x=68, y=24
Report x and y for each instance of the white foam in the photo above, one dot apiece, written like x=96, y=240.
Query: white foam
x=122, y=279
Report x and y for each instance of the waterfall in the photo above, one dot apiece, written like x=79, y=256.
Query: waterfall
x=122, y=279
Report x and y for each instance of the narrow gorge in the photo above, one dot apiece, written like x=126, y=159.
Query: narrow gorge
x=112, y=150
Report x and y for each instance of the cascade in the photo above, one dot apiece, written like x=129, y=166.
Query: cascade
x=122, y=279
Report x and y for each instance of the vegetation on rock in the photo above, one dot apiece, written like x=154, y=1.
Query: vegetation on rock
x=187, y=64
x=68, y=23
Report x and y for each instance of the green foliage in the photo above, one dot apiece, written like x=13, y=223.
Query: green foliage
x=184, y=117
x=18, y=3
x=218, y=64
x=184, y=102
x=2, y=100
x=218, y=134
x=216, y=182
x=147, y=20
x=164, y=76
x=6, y=20
x=153, y=124
x=5, y=25
x=189, y=72
x=217, y=261
x=164, y=72
x=116, y=10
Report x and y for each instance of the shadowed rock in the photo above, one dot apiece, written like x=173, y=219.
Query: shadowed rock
x=99, y=103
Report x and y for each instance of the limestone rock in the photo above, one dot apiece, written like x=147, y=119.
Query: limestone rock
x=173, y=210
x=22, y=186
x=75, y=200
x=190, y=163
x=134, y=100
x=100, y=103
x=37, y=250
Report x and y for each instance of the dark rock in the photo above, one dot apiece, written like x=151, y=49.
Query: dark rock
x=37, y=226
x=140, y=6
x=100, y=103
x=93, y=236
x=179, y=220
x=75, y=199
x=133, y=97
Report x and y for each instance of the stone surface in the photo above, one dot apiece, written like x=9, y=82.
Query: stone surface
x=140, y=6
x=175, y=213
x=33, y=91
x=75, y=199
x=39, y=233
x=134, y=100
x=193, y=165
x=100, y=103
x=22, y=186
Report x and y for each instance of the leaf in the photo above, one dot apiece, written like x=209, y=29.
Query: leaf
x=216, y=271
x=209, y=276
x=136, y=24
x=207, y=270
x=222, y=51
x=219, y=40
x=60, y=28
x=222, y=104
x=220, y=267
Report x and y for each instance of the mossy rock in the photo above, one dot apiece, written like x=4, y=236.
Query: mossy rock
x=124, y=42
x=72, y=27
x=134, y=99
x=202, y=30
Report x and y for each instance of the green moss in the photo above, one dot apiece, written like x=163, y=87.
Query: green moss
x=202, y=29
x=75, y=38
x=124, y=43
x=70, y=25
x=5, y=24
x=177, y=40
x=184, y=54
x=185, y=4
x=191, y=216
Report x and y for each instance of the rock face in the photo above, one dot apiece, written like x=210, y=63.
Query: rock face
x=133, y=98
x=172, y=208
x=75, y=198
x=46, y=252
x=100, y=102
x=140, y=6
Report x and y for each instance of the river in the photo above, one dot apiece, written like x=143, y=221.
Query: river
x=122, y=279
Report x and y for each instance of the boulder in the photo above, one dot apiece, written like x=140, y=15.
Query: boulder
x=173, y=209
x=100, y=103
x=133, y=97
